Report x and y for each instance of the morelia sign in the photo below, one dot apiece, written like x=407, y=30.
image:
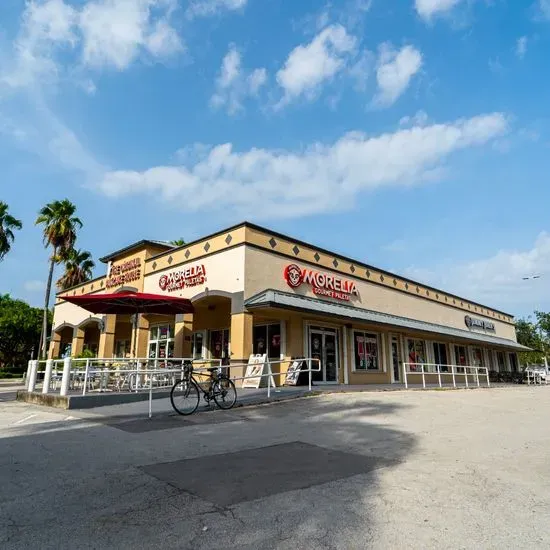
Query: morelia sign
x=183, y=278
x=124, y=272
x=322, y=284
x=472, y=322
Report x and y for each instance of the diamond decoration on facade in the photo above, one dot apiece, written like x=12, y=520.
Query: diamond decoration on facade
x=352, y=269
x=382, y=278
x=454, y=301
x=82, y=290
x=154, y=266
x=272, y=242
x=317, y=257
x=207, y=247
x=446, y=299
x=101, y=284
x=368, y=273
x=427, y=292
x=437, y=296
x=187, y=254
x=228, y=239
x=418, y=289
x=335, y=262
x=406, y=286
x=395, y=282
x=170, y=260
x=92, y=287
x=74, y=292
x=296, y=250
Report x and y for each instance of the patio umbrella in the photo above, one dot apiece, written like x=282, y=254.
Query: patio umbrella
x=132, y=303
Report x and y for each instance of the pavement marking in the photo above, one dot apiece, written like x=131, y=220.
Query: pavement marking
x=25, y=419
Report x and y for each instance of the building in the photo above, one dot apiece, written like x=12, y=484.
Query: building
x=256, y=291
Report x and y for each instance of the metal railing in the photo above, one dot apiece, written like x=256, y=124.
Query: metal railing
x=107, y=373
x=444, y=372
x=537, y=375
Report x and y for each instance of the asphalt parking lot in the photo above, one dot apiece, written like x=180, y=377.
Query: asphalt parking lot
x=435, y=469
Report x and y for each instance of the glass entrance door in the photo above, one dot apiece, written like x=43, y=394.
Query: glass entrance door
x=323, y=345
x=396, y=358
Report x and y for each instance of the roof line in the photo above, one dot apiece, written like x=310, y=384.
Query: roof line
x=132, y=246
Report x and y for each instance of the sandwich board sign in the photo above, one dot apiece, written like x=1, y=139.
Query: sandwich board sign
x=258, y=365
x=293, y=373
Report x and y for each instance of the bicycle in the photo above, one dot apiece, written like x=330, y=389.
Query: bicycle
x=185, y=393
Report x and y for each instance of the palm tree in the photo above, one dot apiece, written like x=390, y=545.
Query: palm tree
x=78, y=268
x=178, y=242
x=7, y=225
x=59, y=230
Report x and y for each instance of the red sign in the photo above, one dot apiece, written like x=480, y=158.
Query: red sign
x=184, y=278
x=323, y=284
x=124, y=272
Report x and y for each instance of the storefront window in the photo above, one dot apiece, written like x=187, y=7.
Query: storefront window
x=513, y=362
x=366, y=351
x=460, y=358
x=197, y=345
x=416, y=350
x=440, y=356
x=122, y=348
x=219, y=345
x=501, y=361
x=161, y=342
x=267, y=339
x=477, y=354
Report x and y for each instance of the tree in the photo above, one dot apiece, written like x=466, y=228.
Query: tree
x=78, y=268
x=7, y=225
x=59, y=229
x=529, y=334
x=20, y=329
x=178, y=242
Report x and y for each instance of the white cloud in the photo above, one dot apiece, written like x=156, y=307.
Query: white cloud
x=115, y=32
x=427, y=9
x=34, y=286
x=317, y=179
x=202, y=8
x=420, y=118
x=309, y=65
x=234, y=83
x=361, y=70
x=394, y=72
x=498, y=279
x=521, y=47
x=96, y=33
x=543, y=9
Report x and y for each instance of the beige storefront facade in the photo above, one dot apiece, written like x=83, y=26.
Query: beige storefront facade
x=257, y=291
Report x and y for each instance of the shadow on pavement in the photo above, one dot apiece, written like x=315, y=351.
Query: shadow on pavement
x=299, y=474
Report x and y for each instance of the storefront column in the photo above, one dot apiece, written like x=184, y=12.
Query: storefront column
x=140, y=337
x=55, y=346
x=77, y=345
x=240, y=341
x=107, y=337
x=183, y=335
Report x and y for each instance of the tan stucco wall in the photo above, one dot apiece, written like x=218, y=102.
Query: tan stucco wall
x=265, y=270
x=65, y=312
x=224, y=271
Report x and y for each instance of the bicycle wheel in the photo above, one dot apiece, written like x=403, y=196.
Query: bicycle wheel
x=225, y=394
x=185, y=397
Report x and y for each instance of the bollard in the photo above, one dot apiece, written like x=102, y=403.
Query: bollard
x=32, y=376
x=28, y=375
x=66, y=376
x=86, y=375
x=47, y=376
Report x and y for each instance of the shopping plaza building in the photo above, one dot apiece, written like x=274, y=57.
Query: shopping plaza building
x=254, y=291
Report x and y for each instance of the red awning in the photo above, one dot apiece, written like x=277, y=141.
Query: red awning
x=131, y=302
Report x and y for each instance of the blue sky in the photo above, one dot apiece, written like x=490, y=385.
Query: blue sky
x=412, y=135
